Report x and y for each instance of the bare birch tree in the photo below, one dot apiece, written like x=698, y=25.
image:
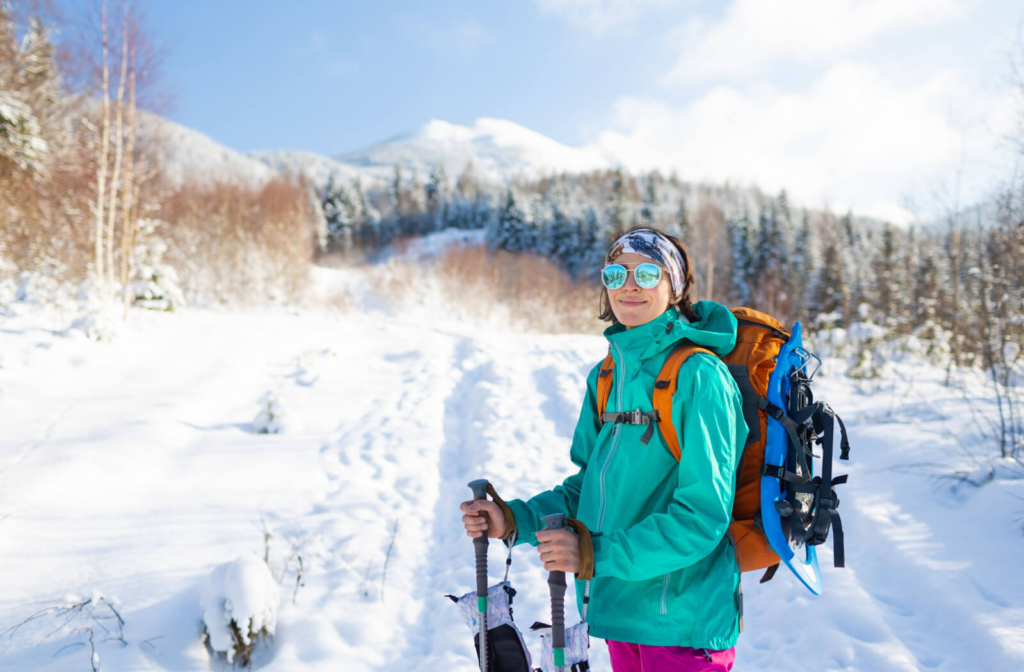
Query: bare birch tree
x=104, y=150
x=118, y=149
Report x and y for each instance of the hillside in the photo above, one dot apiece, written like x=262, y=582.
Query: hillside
x=130, y=470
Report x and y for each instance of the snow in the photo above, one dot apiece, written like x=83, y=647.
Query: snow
x=316, y=167
x=130, y=467
x=499, y=150
x=245, y=593
x=191, y=156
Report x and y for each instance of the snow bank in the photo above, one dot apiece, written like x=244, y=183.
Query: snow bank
x=239, y=603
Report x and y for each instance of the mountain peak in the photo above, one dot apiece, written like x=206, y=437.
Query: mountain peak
x=499, y=149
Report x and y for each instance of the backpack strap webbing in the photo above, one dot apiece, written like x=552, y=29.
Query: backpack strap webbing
x=665, y=387
x=604, y=383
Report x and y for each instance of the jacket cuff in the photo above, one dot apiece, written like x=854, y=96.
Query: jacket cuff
x=586, y=572
x=510, y=518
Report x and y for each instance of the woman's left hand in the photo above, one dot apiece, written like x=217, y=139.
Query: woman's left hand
x=559, y=550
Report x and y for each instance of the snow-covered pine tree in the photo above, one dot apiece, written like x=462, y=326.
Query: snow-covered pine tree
x=38, y=81
x=741, y=248
x=436, y=191
x=398, y=195
x=804, y=262
x=830, y=294
x=650, y=204
x=770, y=257
x=22, y=75
x=594, y=243
x=885, y=288
x=616, y=210
x=510, y=229
x=565, y=243
x=682, y=227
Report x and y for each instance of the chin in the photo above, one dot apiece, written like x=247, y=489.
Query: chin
x=631, y=318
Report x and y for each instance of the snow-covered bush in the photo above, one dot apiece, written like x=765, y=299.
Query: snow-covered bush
x=869, y=352
x=239, y=603
x=272, y=417
x=154, y=283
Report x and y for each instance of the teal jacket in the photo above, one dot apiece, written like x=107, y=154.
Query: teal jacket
x=665, y=572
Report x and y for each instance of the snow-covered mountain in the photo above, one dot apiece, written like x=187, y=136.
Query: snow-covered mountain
x=316, y=167
x=498, y=149
x=191, y=156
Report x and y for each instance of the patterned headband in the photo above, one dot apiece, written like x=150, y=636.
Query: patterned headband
x=654, y=246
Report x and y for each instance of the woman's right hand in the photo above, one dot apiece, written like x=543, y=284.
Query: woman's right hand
x=482, y=516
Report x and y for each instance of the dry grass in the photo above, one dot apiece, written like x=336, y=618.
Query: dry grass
x=234, y=244
x=523, y=291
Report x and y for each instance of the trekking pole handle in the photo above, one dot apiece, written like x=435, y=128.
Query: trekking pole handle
x=556, y=585
x=479, y=488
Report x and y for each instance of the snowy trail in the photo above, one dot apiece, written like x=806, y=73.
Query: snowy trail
x=130, y=469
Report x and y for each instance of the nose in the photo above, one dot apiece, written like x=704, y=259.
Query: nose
x=631, y=281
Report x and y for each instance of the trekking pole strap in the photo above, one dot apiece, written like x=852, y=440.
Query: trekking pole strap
x=508, y=558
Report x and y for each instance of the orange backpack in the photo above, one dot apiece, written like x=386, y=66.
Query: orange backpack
x=759, y=338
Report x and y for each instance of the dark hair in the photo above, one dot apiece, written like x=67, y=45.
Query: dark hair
x=683, y=305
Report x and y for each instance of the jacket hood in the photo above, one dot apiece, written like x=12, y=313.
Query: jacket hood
x=715, y=329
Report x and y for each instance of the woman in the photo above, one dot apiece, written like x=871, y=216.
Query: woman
x=652, y=531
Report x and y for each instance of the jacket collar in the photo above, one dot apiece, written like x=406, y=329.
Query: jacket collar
x=715, y=329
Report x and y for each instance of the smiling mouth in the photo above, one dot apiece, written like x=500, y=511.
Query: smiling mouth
x=628, y=302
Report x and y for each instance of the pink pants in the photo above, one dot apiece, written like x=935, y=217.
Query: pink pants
x=640, y=658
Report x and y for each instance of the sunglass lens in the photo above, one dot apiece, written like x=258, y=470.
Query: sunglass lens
x=647, y=275
x=614, y=276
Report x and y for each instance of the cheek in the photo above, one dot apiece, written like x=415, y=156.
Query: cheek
x=661, y=296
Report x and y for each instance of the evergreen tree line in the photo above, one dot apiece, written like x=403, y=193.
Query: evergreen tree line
x=954, y=285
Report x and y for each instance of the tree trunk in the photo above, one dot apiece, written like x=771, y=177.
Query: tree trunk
x=101, y=177
x=127, y=221
x=118, y=152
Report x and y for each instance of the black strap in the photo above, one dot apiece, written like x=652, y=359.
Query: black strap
x=790, y=427
x=769, y=573
x=844, y=442
x=637, y=417
x=783, y=475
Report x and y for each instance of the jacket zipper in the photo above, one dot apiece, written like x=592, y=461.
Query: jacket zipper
x=615, y=437
x=664, y=594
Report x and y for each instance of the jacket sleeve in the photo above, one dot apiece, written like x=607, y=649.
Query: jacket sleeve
x=564, y=498
x=707, y=413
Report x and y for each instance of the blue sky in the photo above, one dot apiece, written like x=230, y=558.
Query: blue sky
x=335, y=76
x=873, y=104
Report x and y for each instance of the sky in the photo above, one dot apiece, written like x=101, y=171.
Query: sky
x=883, y=106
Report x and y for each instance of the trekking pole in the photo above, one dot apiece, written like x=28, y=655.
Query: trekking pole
x=556, y=584
x=479, y=488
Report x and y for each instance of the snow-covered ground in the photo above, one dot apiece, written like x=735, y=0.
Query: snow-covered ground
x=129, y=469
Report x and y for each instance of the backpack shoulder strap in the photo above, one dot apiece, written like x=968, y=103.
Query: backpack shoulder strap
x=604, y=384
x=665, y=387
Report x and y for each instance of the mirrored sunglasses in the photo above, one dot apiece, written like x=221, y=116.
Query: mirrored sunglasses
x=646, y=275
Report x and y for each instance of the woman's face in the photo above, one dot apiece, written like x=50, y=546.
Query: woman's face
x=632, y=304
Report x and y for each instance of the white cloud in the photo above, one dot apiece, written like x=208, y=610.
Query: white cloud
x=597, y=16
x=857, y=138
x=754, y=34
